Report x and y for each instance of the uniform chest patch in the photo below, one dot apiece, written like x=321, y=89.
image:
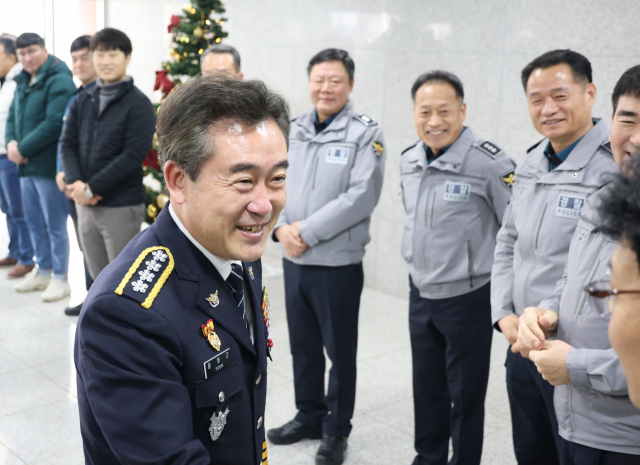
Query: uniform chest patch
x=456, y=192
x=570, y=205
x=337, y=155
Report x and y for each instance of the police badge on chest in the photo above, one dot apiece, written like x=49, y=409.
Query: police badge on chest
x=218, y=420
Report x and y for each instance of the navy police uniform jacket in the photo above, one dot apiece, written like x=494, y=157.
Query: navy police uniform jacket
x=149, y=388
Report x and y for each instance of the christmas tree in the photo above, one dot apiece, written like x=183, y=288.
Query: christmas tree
x=196, y=29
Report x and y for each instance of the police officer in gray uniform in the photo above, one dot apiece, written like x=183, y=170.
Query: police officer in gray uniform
x=551, y=186
x=335, y=177
x=455, y=189
x=598, y=422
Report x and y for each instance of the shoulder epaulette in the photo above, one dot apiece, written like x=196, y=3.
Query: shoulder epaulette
x=534, y=145
x=151, y=277
x=409, y=148
x=607, y=146
x=489, y=148
x=364, y=119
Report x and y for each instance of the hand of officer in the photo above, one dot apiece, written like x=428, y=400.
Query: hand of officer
x=551, y=362
x=509, y=327
x=536, y=325
x=61, y=184
x=289, y=237
x=14, y=155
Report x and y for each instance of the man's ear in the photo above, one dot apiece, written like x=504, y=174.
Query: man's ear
x=175, y=178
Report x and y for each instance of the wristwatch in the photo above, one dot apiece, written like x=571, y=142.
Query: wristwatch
x=87, y=192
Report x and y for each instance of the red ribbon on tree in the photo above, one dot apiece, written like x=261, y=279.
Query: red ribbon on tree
x=175, y=22
x=163, y=82
x=151, y=160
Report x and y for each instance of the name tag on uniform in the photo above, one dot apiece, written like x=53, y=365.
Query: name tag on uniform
x=570, y=206
x=216, y=364
x=337, y=155
x=456, y=192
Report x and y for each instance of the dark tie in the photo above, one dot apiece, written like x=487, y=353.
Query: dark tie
x=234, y=281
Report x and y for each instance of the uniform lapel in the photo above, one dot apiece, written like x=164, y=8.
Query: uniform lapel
x=253, y=288
x=192, y=266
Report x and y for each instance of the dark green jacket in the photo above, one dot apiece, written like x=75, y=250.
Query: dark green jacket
x=35, y=116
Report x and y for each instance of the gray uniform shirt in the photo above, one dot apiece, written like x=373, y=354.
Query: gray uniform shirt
x=533, y=242
x=594, y=409
x=333, y=184
x=453, y=210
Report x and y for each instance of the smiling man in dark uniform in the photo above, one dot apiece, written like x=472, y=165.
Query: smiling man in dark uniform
x=172, y=342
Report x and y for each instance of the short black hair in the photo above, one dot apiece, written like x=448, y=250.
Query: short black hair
x=444, y=77
x=333, y=54
x=628, y=85
x=28, y=39
x=223, y=48
x=188, y=114
x=620, y=208
x=111, y=39
x=8, y=44
x=579, y=64
x=80, y=43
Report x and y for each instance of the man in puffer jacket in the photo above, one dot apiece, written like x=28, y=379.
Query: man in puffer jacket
x=43, y=88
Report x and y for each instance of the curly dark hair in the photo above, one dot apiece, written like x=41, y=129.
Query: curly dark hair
x=620, y=208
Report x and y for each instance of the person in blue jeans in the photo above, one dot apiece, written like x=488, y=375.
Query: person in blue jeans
x=20, y=256
x=44, y=87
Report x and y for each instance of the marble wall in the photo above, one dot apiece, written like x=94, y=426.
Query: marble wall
x=486, y=43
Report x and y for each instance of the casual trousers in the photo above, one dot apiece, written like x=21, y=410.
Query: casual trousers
x=20, y=247
x=533, y=417
x=451, y=347
x=572, y=453
x=322, y=312
x=88, y=280
x=105, y=231
x=45, y=209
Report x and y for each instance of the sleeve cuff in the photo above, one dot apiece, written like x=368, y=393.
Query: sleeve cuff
x=12, y=143
x=307, y=235
x=576, y=363
x=498, y=315
x=273, y=234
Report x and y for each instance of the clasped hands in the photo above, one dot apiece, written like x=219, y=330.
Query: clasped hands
x=14, y=155
x=529, y=334
x=75, y=192
x=290, y=238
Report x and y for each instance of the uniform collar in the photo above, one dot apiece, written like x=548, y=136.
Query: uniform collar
x=322, y=126
x=579, y=156
x=452, y=159
x=223, y=266
x=305, y=128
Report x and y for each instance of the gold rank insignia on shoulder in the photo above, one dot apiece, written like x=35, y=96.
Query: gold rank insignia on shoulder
x=250, y=270
x=212, y=337
x=138, y=281
x=378, y=148
x=213, y=300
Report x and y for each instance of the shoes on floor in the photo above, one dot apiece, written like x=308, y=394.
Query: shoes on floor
x=293, y=431
x=56, y=290
x=8, y=261
x=33, y=282
x=331, y=451
x=73, y=311
x=19, y=271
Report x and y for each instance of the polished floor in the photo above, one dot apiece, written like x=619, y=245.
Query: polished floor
x=39, y=416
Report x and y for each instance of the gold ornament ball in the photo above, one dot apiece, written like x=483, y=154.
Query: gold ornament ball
x=162, y=200
x=198, y=32
x=152, y=211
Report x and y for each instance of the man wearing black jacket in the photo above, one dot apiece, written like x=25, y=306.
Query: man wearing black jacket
x=108, y=133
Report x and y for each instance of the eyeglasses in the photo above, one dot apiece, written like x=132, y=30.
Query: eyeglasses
x=603, y=294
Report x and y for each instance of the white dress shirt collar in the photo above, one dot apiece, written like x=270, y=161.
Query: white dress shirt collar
x=223, y=266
